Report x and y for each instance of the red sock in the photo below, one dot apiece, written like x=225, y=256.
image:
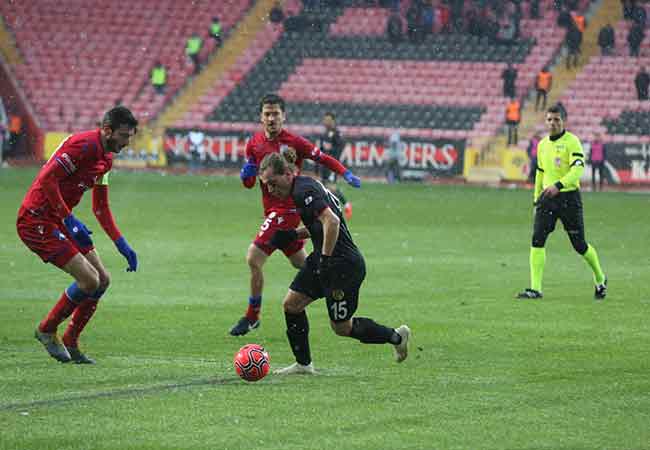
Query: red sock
x=253, y=313
x=80, y=318
x=58, y=314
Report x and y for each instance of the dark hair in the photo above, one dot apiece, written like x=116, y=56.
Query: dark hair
x=558, y=108
x=272, y=99
x=118, y=116
x=331, y=114
x=277, y=162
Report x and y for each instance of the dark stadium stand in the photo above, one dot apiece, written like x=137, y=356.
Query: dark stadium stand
x=449, y=85
x=80, y=59
x=603, y=97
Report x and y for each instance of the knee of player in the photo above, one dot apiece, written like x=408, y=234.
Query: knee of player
x=254, y=263
x=292, y=307
x=342, y=328
x=89, y=282
x=104, y=281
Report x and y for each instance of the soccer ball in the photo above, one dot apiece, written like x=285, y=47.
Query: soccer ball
x=252, y=362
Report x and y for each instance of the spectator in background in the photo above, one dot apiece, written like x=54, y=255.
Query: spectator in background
x=543, y=84
x=642, y=81
x=579, y=21
x=427, y=17
x=159, y=77
x=628, y=8
x=15, y=134
x=394, y=28
x=215, y=31
x=192, y=50
x=276, y=15
x=534, y=9
x=634, y=39
x=597, y=158
x=4, y=130
x=573, y=42
x=516, y=17
x=606, y=40
x=443, y=17
x=414, y=26
x=513, y=117
x=509, y=76
x=639, y=15
x=532, y=155
x=564, y=19
x=393, y=152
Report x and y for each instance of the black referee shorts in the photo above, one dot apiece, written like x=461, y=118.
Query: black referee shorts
x=566, y=206
x=342, y=296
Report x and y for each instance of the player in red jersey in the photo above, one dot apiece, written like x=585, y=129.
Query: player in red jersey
x=48, y=228
x=280, y=214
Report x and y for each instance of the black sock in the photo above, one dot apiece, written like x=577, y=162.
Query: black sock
x=298, y=334
x=370, y=332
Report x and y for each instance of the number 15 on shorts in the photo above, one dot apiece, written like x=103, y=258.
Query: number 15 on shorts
x=339, y=310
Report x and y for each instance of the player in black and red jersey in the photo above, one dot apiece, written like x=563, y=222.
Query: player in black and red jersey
x=279, y=214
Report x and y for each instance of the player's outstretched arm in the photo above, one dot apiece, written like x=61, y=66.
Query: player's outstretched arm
x=104, y=216
x=335, y=166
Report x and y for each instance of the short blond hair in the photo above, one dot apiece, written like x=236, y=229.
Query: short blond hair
x=277, y=162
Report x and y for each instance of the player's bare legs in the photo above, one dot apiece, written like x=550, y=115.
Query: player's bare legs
x=84, y=273
x=86, y=282
x=297, y=260
x=255, y=258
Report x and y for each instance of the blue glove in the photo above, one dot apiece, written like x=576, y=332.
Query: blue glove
x=126, y=251
x=249, y=169
x=352, y=179
x=79, y=232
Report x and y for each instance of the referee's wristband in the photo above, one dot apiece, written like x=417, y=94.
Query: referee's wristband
x=559, y=185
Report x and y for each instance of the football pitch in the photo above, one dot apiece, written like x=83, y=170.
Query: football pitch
x=485, y=371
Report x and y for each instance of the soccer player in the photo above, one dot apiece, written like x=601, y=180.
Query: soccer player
x=334, y=270
x=48, y=228
x=280, y=214
x=560, y=163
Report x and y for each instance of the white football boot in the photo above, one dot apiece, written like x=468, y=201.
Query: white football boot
x=402, y=349
x=297, y=369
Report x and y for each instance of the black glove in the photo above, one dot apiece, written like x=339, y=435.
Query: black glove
x=282, y=238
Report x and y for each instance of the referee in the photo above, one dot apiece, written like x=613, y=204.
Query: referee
x=560, y=163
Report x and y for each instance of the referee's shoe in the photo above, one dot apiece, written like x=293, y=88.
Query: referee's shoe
x=529, y=294
x=600, y=292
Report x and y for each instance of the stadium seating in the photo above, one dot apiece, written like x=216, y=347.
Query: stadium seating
x=448, y=86
x=91, y=54
x=603, y=97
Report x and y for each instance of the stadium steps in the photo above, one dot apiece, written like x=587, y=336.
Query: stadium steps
x=8, y=48
x=608, y=12
x=236, y=44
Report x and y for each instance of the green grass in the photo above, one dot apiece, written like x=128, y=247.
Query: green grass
x=485, y=372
